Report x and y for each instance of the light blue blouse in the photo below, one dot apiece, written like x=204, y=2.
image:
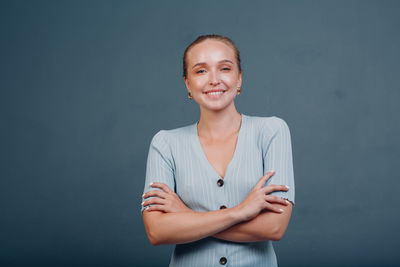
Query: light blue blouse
x=177, y=159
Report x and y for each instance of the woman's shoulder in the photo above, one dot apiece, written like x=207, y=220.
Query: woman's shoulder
x=267, y=124
x=169, y=135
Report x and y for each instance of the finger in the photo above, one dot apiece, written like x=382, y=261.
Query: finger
x=156, y=207
x=155, y=193
x=273, y=187
x=277, y=200
x=290, y=203
x=156, y=200
x=273, y=208
x=162, y=186
x=264, y=179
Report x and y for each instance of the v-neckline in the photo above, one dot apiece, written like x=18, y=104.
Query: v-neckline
x=237, y=148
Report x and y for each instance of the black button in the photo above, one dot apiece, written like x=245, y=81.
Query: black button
x=222, y=207
x=222, y=261
x=220, y=182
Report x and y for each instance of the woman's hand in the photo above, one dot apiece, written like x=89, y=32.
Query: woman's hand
x=258, y=199
x=166, y=200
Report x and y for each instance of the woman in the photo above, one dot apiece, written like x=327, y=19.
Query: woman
x=210, y=186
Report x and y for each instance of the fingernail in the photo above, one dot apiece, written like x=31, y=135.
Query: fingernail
x=287, y=187
x=142, y=203
x=143, y=195
x=281, y=210
x=272, y=171
x=287, y=202
x=151, y=184
x=147, y=207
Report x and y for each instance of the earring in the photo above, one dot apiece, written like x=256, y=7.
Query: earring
x=190, y=95
x=239, y=90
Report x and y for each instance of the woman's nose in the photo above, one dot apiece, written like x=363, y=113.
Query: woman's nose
x=213, y=78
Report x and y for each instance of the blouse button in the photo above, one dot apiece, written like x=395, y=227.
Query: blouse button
x=222, y=261
x=220, y=182
x=222, y=207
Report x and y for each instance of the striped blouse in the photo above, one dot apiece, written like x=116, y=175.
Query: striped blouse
x=177, y=159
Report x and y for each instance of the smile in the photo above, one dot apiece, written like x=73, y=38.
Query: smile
x=215, y=93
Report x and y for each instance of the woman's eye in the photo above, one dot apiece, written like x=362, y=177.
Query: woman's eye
x=200, y=71
x=226, y=68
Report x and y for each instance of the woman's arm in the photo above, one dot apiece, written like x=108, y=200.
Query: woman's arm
x=169, y=221
x=266, y=226
x=183, y=227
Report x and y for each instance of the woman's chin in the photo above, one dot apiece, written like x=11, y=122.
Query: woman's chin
x=217, y=106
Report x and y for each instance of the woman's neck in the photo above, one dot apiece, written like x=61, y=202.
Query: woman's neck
x=219, y=125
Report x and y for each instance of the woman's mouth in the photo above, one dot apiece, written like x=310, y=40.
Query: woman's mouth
x=214, y=94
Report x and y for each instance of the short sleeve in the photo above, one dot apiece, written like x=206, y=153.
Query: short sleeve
x=159, y=167
x=278, y=157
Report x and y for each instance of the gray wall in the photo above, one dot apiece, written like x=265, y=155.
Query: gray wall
x=86, y=84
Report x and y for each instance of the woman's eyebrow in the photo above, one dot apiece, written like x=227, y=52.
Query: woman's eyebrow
x=198, y=64
x=225, y=61
x=203, y=63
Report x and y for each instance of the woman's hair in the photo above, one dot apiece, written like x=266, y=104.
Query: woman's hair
x=217, y=37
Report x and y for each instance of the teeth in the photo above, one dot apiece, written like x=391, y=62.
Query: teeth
x=215, y=93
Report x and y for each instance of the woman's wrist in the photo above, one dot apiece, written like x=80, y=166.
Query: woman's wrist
x=236, y=214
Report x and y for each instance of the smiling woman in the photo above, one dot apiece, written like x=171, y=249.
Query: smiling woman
x=214, y=72
x=222, y=188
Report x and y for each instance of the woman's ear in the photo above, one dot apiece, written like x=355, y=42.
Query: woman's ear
x=240, y=80
x=186, y=83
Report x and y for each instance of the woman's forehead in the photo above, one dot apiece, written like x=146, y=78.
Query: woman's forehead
x=210, y=51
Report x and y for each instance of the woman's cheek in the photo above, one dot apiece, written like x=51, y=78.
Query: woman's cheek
x=198, y=83
x=230, y=80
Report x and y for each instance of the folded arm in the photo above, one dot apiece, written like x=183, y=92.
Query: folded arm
x=168, y=221
x=266, y=226
x=189, y=226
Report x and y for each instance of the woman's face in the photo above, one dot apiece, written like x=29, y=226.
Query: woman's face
x=212, y=67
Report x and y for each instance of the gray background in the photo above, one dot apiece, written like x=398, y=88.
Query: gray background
x=86, y=84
